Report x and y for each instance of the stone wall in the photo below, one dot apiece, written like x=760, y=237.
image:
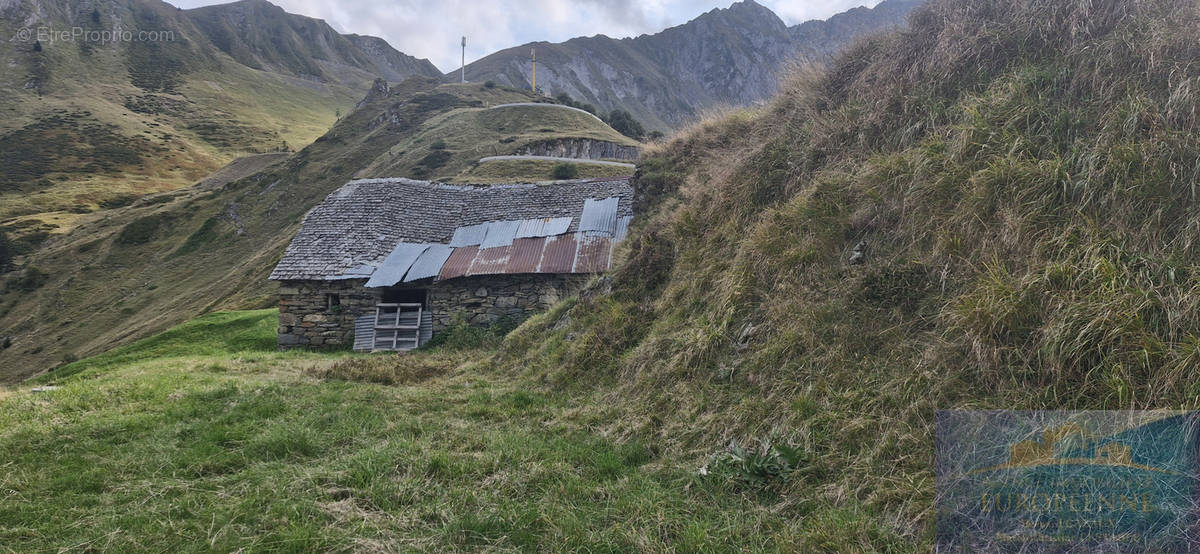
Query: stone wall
x=586, y=149
x=484, y=299
x=305, y=319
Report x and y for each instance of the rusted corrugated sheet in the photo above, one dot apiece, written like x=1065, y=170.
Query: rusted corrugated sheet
x=490, y=261
x=459, y=262
x=593, y=253
x=559, y=254
x=525, y=254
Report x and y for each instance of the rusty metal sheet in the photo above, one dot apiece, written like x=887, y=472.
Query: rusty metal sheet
x=545, y=227
x=490, y=261
x=459, y=262
x=599, y=215
x=593, y=253
x=559, y=254
x=525, y=255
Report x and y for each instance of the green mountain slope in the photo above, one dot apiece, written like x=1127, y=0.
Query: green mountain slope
x=92, y=122
x=1022, y=178
x=730, y=56
x=126, y=272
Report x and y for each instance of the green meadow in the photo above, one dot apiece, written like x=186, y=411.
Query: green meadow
x=205, y=438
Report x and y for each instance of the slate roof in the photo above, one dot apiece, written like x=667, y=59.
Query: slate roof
x=380, y=228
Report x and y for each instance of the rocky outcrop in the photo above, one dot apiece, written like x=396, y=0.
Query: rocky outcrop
x=585, y=149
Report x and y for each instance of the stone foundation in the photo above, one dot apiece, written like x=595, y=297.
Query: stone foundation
x=306, y=319
x=485, y=299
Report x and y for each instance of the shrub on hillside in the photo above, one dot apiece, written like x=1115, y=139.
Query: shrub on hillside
x=624, y=123
x=566, y=171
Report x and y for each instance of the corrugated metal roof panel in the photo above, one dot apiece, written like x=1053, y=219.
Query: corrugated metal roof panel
x=525, y=254
x=430, y=263
x=500, y=233
x=426, y=331
x=469, y=235
x=459, y=262
x=593, y=253
x=364, y=333
x=490, y=261
x=622, y=228
x=559, y=254
x=599, y=215
x=392, y=270
x=545, y=227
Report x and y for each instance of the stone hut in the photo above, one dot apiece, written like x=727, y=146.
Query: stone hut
x=384, y=264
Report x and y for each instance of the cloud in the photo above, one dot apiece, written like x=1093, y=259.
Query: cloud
x=794, y=12
x=433, y=28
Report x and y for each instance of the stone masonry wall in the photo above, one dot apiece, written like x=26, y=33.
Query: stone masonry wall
x=305, y=319
x=485, y=299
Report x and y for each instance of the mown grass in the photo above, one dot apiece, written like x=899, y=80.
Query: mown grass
x=204, y=438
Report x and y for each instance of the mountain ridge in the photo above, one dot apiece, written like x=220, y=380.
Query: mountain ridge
x=91, y=123
x=726, y=56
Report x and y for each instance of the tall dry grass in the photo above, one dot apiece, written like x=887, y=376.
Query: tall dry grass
x=1024, y=177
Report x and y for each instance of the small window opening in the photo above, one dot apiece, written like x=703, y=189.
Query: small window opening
x=333, y=302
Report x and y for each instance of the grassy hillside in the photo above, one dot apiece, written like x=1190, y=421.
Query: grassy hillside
x=1023, y=175
x=449, y=145
x=205, y=438
x=90, y=123
x=106, y=278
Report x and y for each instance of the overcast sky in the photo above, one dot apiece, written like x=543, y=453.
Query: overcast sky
x=432, y=28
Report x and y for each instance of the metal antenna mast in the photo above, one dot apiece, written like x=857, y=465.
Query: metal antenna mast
x=464, y=59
